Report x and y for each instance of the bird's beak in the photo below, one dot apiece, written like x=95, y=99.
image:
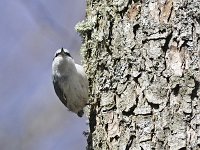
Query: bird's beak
x=62, y=51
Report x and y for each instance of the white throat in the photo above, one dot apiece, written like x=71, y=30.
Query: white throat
x=63, y=66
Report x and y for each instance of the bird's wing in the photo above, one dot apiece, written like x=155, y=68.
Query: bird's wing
x=82, y=76
x=83, y=81
x=59, y=92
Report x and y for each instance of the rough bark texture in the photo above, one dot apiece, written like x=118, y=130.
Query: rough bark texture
x=142, y=61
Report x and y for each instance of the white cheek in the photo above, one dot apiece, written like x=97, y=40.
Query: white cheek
x=58, y=51
x=66, y=51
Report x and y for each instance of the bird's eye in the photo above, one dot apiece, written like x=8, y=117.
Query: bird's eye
x=68, y=54
x=57, y=54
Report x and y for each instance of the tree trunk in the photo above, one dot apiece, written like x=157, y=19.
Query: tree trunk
x=142, y=61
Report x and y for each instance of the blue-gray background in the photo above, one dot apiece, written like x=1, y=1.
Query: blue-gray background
x=31, y=116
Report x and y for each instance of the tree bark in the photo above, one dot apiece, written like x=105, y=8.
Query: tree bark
x=142, y=62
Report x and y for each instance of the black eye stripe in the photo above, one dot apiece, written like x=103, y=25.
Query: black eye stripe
x=57, y=54
x=68, y=54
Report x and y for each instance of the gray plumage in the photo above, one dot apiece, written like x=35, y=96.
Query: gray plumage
x=70, y=82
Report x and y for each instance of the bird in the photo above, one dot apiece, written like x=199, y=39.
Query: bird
x=70, y=82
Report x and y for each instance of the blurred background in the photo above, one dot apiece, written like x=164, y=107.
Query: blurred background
x=31, y=116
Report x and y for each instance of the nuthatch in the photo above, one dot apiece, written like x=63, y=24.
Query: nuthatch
x=70, y=82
